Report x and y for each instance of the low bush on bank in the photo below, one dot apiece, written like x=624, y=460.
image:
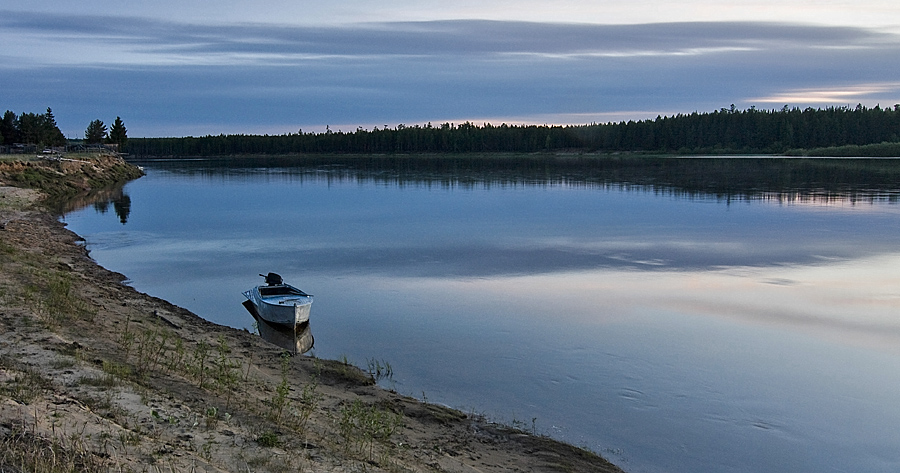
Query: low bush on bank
x=878, y=150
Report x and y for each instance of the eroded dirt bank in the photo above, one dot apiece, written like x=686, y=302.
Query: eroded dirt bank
x=95, y=376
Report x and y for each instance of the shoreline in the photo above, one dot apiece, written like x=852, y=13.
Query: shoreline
x=100, y=376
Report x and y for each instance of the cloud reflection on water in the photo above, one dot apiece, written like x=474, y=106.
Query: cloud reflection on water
x=852, y=302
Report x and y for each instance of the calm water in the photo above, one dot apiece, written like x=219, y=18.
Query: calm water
x=668, y=326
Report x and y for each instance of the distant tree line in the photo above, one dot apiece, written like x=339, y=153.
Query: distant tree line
x=727, y=130
x=749, y=131
x=846, y=130
x=42, y=131
x=445, y=138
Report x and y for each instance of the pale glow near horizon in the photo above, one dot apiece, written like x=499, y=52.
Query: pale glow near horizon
x=837, y=95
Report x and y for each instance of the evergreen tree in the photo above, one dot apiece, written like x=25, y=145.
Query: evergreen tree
x=95, y=132
x=51, y=120
x=50, y=132
x=29, y=126
x=9, y=128
x=117, y=134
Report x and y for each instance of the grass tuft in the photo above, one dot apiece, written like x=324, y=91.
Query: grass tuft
x=27, y=382
x=22, y=451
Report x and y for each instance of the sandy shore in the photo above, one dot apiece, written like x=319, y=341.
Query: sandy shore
x=95, y=376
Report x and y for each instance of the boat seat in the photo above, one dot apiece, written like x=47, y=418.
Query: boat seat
x=280, y=291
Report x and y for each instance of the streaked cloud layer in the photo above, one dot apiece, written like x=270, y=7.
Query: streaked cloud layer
x=170, y=70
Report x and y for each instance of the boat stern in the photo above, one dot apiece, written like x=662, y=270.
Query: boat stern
x=301, y=312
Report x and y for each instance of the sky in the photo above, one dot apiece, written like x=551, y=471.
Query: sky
x=192, y=67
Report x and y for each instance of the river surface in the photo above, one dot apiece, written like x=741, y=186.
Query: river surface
x=745, y=325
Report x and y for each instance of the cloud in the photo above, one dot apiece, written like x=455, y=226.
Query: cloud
x=164, y=42
x=169, y=77
x=835, y=95
x=864, y=13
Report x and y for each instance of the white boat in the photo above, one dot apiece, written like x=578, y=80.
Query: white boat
x=280, y=303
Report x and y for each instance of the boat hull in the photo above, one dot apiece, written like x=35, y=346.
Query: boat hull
x=296, y=339
x=281, y=305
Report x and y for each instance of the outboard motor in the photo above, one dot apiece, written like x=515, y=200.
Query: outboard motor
x=273, y=279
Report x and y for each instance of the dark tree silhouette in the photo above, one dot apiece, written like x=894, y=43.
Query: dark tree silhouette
x=117, y=134
x=95, y=132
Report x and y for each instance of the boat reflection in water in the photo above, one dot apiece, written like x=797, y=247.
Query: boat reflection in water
x=296, y=339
